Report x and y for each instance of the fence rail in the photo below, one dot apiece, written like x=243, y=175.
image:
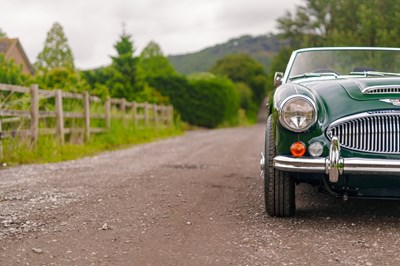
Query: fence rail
x=149, y=114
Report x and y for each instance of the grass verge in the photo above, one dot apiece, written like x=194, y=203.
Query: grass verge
x=48, y=149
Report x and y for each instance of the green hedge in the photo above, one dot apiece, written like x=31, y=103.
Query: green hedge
x=207, y=101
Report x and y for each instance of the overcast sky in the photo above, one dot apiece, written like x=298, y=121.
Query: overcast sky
x=178, y=26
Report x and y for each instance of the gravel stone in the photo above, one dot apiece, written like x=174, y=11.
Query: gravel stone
x=154, y=194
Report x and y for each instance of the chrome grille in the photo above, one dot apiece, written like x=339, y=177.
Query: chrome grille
x=389, y=89
x=377, y=132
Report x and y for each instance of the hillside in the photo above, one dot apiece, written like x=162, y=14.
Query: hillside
x=262, y=48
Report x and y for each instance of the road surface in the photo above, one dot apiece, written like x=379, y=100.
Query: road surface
x=190, y=200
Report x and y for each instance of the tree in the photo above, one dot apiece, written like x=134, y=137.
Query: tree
x=243, y=68
x=152, y=49
x=2, y=33
x=338, y=23
x=56, y=52
x=245, y=96
x=278, y=64
x=153, y=63
x=342, y=23
x=309, y=24
x=125, y=80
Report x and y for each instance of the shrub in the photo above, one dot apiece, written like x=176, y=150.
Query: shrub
x=11, y=73
x=204, y=100
x=214, y=101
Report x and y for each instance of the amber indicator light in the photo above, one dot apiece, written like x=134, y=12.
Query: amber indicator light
x=298, y=149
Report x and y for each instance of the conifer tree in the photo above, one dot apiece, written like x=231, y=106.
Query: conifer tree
x=125, y=78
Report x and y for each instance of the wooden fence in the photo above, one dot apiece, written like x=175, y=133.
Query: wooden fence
x=147, y=114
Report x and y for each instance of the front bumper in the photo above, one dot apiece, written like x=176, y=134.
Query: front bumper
x=335, y=165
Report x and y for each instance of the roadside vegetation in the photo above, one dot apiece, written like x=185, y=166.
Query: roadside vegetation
x=214, y=99
x=229, y=94
x=48, y=149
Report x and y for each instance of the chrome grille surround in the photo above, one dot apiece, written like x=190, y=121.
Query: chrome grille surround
x=374, y=132
x=387, y=89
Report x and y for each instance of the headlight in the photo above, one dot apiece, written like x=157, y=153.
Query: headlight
x=298, y=113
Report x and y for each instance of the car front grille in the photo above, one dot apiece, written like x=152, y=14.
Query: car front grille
x=376, y=132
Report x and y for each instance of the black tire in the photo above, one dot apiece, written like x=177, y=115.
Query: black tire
x=279, y=187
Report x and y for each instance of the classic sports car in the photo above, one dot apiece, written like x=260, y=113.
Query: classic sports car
x=334, y=122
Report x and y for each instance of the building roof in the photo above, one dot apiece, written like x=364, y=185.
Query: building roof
x=3, y=46
x=9, y=47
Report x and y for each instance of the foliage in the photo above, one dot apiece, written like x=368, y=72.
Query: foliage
x=342, y=23
x=339, y=23
x=96, y=76
x=153, y=63
x=124, y=77
x=278, y=65
x=2, y=33
x=201, y=75
x=212, y=102
x=10, y=73
x=245, y=96
x=48, y=150
x=201, y=101
x=56, y=52
x=151, y=95
x=262, y=48
x=61, y=78
x=243, y=68
x=128, y=76
x=173, y=87
x=96, y=80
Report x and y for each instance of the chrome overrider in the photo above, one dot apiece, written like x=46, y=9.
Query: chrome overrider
x=335, y=165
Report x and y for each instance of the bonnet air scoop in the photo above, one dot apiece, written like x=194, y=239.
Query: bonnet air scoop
x=381, y=89
x=365, y=89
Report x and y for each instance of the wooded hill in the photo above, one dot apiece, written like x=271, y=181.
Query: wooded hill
x=262, y=48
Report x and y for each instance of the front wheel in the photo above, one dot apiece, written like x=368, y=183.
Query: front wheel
x=279, y=187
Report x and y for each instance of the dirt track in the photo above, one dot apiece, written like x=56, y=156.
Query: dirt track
x=191, y=200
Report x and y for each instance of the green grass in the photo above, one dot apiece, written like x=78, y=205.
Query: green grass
x=48, y=149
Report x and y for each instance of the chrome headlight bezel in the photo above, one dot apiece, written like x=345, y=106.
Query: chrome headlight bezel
x=306, y=100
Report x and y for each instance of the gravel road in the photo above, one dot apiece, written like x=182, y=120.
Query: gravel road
x=190, y=200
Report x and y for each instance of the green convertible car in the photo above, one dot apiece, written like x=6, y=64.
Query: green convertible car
x=334, y=122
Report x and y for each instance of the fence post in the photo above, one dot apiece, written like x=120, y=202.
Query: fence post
x=134, y=113
x=59, y=116
x=107, y=114
x=146, y=114
x=1, y=141
x=171, y=115
x=86, y=106
x=155, y=111
x=123, y=106
x=34, y=113
x=160, y=113
x=166, y=114
x=163, y=114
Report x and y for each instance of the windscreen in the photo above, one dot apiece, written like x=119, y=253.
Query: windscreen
x=344, y=62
